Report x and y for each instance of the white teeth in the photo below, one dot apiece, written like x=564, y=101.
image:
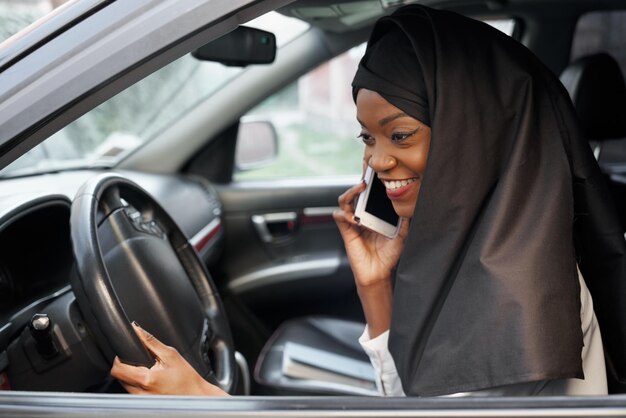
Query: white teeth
x=396, y=184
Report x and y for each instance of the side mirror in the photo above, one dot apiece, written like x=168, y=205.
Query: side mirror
x=243, y=46
x=257, y=145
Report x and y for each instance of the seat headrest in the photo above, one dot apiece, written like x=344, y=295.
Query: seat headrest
x=596, y=85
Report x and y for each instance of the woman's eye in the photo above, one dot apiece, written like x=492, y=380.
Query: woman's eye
x=402, y=136
x=366, y=138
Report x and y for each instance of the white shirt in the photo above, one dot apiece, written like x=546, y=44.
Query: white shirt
x=388, y=381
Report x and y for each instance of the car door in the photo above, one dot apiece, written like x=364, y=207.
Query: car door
x=283, y=254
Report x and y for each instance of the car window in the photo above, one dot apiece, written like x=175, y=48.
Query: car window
x=115, y=128
x=111, y=131
x=601, y=32
x=315, y=121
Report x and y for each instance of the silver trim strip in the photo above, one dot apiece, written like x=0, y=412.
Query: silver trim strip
x=245, y=371
x=474, y=413
x=206, y=231
x=61, y=405
x=320, y=211
x=284, y=273
x=276, y=217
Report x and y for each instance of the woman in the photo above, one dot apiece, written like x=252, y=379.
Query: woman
x=486, y=291
x=479, y=292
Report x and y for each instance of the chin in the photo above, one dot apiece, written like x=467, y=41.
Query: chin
x=404, y=211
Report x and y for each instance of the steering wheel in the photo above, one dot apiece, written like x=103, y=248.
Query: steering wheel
x=134, y=263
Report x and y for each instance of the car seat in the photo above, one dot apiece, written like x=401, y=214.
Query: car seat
x=596, y=86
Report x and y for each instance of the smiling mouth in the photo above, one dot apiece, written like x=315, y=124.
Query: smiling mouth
x=396, y=184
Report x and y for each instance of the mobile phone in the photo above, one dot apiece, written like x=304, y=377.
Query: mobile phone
x=374, y=209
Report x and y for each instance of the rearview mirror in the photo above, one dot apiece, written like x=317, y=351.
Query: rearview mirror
x=241, y=47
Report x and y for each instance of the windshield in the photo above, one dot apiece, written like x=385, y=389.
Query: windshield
x=107, y=133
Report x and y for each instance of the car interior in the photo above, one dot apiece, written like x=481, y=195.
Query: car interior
x=232, y=269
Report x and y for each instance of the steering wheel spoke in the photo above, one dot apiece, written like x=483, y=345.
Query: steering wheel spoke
x=110, y=201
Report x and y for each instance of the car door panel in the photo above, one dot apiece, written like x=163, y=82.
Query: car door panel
x=283, y=254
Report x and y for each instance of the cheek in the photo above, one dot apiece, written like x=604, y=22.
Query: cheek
x=424, y=153
x=417, y=165
x=419, y=160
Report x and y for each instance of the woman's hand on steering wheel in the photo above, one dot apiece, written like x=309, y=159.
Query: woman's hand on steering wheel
x=170, y=375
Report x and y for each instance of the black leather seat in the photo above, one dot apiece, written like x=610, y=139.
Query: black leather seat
x=598, y=91
x=596, y=85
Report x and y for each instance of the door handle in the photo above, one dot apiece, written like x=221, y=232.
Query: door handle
x=273, y=227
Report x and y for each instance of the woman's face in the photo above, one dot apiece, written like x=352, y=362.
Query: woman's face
x=396, y=147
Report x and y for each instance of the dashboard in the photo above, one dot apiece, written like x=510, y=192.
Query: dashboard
x=36, y=266
x=36, y=254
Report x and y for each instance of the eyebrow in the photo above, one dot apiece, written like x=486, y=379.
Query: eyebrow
x=393, y=117
x=387, y=119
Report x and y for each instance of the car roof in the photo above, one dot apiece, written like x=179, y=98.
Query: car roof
x=346, y=15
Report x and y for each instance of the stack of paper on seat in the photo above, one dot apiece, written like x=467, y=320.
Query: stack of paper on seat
x=304, y=362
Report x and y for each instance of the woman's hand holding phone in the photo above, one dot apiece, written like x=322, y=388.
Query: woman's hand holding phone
x=372, y=257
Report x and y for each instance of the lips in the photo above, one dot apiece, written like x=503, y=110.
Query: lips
x=396, y=189
x=396, y=184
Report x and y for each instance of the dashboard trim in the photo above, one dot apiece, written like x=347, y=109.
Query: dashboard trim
x=285, y=272
x=206, y=235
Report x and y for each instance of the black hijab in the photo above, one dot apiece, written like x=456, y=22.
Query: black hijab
x=486, y=291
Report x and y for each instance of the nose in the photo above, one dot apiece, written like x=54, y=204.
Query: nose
x=381, y=160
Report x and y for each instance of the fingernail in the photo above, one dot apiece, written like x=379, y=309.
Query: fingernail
x=136, y=324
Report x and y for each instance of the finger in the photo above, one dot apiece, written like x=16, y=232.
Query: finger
x=127, y=374
x=133, y=390
x=348, y=227
x=346, y=200
x=156, y=347
x=344, y=220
